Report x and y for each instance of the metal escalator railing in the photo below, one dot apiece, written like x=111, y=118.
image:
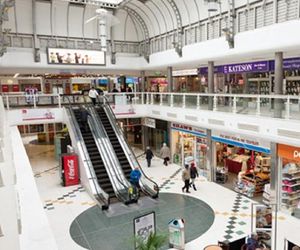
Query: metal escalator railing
x=120, y=184
x=102, y=197
x=153, y=192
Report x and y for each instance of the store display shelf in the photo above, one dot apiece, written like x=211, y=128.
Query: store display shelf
x=292, y=172
x=291, y=185
x=294, y=192
x=291, y=198
x=292, y=178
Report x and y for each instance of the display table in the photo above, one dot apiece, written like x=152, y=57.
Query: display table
x=233, y=166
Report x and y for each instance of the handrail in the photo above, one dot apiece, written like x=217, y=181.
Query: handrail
x=95, y=124
x=129, y=148
x=87, y=158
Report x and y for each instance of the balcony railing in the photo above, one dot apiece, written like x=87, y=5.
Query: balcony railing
x=276, y=106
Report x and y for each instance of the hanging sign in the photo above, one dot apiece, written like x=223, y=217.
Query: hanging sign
x=149, y=122
x=185, y=72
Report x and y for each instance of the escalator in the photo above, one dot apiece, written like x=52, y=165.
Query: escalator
x=115, y=142
x=96, y=159
x=122, y=150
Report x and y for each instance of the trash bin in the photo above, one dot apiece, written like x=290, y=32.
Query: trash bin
x=176, y=234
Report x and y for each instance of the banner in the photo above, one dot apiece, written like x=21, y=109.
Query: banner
x=242, y=141
x=188, y=129
x=144, y=225
x=37, y=114
x=70, y=167
x=76, y=56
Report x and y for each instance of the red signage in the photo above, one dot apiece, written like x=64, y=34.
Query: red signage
x=70, y=167
x=15, y=88
x=5, y=88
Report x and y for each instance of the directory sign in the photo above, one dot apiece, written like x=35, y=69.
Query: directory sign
x=75, y=56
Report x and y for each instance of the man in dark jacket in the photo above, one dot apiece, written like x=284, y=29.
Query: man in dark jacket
x=149, y=156
x=84, y=119
x=194, y=174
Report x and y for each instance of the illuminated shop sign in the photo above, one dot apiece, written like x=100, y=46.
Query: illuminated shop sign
x=189, y=129
x=261, y=66
x=185, y=72
x=75, y=57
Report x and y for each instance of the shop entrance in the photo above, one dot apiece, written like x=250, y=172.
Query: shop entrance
x=188, y=148
x=243, y=170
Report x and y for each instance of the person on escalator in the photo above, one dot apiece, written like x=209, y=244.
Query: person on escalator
x=84, y=119
x=93, y=95
x=135, y=177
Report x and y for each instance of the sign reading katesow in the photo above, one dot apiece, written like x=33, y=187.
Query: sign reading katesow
x=76, y=56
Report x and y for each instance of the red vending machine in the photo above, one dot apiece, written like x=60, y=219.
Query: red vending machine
x=70, y=171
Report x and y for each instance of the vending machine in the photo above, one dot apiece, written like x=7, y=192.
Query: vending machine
x=69, y=169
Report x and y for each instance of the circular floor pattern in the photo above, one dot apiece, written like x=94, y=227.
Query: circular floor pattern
x=94, y=230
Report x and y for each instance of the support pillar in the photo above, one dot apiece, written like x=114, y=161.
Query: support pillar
x=170, y=79
x=210, y=84
x=245, y=90
x=275, y=175
x=143, y=87
x=278, y=85
x=145, y=137
x=209, y=156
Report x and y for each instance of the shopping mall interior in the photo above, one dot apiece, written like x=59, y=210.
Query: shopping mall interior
x=150, y=124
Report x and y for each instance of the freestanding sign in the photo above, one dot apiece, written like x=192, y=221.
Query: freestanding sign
x=143, y=226
x=70, y=173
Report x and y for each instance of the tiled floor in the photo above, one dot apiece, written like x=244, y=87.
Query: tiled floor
x=63, y=204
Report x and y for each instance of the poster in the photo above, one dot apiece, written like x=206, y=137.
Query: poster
x=263, y=225
x=144, y=225
x=75, y=56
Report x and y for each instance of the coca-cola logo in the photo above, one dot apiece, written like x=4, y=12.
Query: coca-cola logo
x=71, y=167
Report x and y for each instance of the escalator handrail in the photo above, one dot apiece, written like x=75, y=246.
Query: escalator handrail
x=120, y=131
x=105, y=200
x=96, y=124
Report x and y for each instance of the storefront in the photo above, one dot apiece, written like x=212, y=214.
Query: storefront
x=289, y=163
x=80, y=83
x=155, y=133
x=157, y=84
x=21, y=84
x=189, y=145
x=187, y=81
x=242, y=163
x=254, y=77
x=132, y=129
x=60, y=85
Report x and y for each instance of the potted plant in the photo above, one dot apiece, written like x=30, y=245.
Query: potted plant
x=154, y=242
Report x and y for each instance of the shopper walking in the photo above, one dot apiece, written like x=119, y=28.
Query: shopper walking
x=186, y=178
x=165, y=153
x=149, y=155
x=93, y=95
x=194, y=174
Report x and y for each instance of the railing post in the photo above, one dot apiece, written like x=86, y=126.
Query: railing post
x=34, y=101
x=143, y=98
x=234, y=105
x=172, y=100
x=152, y=99
x=160, y=99
x=215, y=103
x=183, y=101
x=287, y=108
x=148, y=99
x=258, y=106
x=134, y=102
x=198, y=101
x=7, y=102
x=59, y=101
